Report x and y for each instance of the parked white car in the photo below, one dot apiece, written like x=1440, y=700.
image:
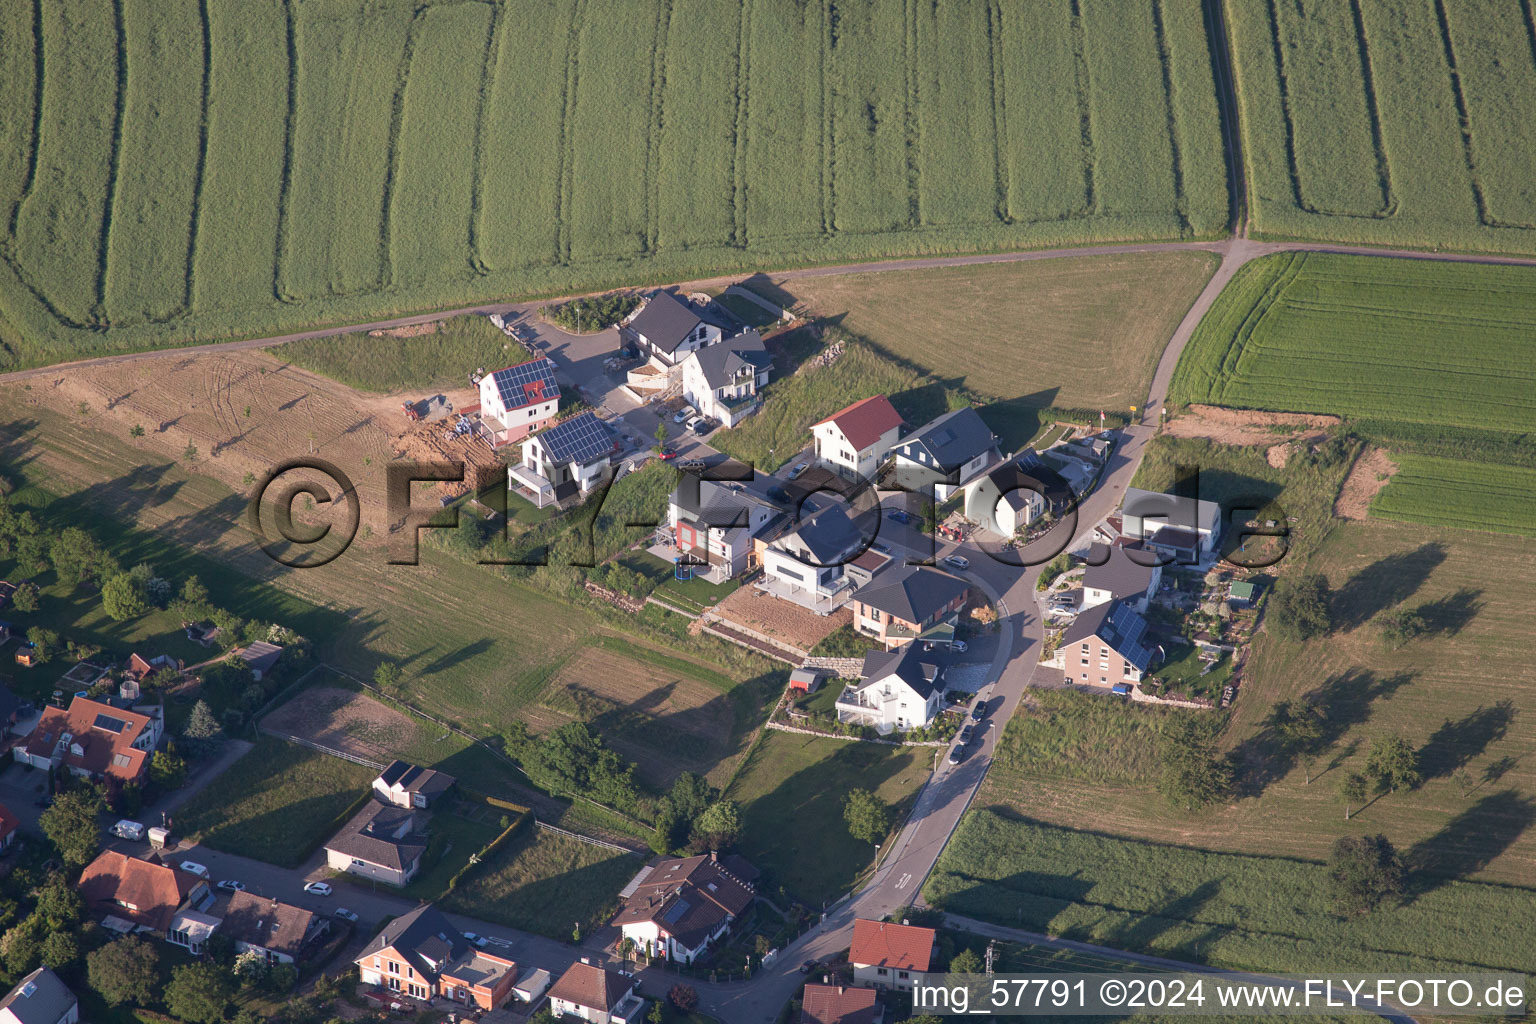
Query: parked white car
x=193, y=867
x=317, y=888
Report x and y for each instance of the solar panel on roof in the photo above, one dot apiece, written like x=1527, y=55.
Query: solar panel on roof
x=526, y=383
x=1029, y=460
x=578, y=439
x=676, y=911
x=110, y=724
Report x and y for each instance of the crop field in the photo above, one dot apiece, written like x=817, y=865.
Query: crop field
x=1074, y=333
x=1388, y=122
x=172, y=172
x=1451, y=492
x=1251, y=912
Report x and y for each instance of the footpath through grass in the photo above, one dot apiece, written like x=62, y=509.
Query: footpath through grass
x=791, y=795
x=278, y=803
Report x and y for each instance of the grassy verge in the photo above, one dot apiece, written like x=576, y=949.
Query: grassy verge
x=791, y=796
x=441, y=359
x=544, y=883
x=276, y=804
x=1259, y=913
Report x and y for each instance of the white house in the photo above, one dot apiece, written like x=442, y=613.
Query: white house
x=853, y=441
x=1187, y=528
x=1009, y=496
x=595, y=994
x=898, y=690
x=667, y=329
x=808, y=564
x=408, y=785
x=40, y=998
x=518, y=400
x=280, y=932
x=568, y=459
x=715, y=523
x=680, y=905
x=945, y=453
x=721, y=381
x=1119, y=572
x=380, y=842
x=890, y=955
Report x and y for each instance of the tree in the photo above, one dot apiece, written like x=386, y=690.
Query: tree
x=137, y=430
x=77, y=558
x=1398, y=627
x=58, y=905
x=661, y=435
x=1362, y=872
x=1392, y=763
x=125, y=971
x=251, y=968
x=965, y=962
x=668, y=826
x=718, y=827
x=867, y=816
x=1299, y=607
x=70, y=824
x=202, y=731
x=59, y=949
x=189, y=454
x=27, y=597
x=45, y=643
x=1298, y=725
x=199, y=993
x=387, y=676
x=1194, y=772
x=194, y=597
x=656, y=1016
x=684, y=997
x=126, y=595
x=1352, y=791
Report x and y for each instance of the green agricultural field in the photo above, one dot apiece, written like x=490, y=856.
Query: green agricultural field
x=278, y=803
x=1451, y=492
x=1248, y=912
x=543, y=882
x=1075, y=333
x=171, y=172
x=791, y=795
x=1388, y=122
x=387, y=363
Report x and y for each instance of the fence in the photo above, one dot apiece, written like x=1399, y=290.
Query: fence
x=377, y=766
x=546, y=827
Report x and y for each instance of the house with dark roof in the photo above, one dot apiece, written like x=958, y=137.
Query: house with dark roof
x=1014, y=494
x=668, y=329
x=1125, y=572
x=678, y=906
x=422, y=955
x=595, y=994
x=130, y=894
x=897, y=690
x=715, y=523
x=807, y=563
x=261, y=656
x=278, y=931
x=1106, y=646
x=722, y=380
x=567, y=460
x=853, y=441
x=839, y=1004
x=910, y=602
x=890, y=955
x=408, y=785
x=40, y=998
x=94, y=740
x=381, y=841
x=1183, y=527
x=945, y=453
x=517, y=400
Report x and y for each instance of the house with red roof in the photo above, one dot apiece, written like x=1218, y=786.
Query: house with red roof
x=853, y=441
x=839, y=1004
x=596, y=995
x=9, y=823
x=132, y=894
x=94, y=740
x=890, y=955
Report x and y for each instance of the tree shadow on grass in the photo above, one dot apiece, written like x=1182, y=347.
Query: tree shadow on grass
x=1450, y=614
x=1469, y=842
x=1384, y=584
x=1455, y=744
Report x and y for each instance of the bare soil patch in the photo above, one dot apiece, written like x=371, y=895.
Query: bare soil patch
x=1249, y=427
x=346, y=720
x=781, y=620
x=236, y=416
x=1370, y=473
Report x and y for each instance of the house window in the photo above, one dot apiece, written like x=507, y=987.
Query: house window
x=394, y=984
x=1085, y=662
x=880, y=971
x=902, y=974
x=394, y=968
x=1129, y=668
x=1085, y=647
x=1103, y=679
x=357, y=863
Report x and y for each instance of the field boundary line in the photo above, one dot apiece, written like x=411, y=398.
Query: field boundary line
x=546, y=827
x=323, y=749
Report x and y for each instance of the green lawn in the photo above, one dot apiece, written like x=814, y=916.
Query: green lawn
x=544, y=883
x=1076, y=333
x=1249, y=912
x=457, y=830
x=745, y=310
x=278, y=803
x=791, y=796
x=443, y=359
x=1182, y=673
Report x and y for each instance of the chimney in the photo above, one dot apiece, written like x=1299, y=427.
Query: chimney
x=714, y=857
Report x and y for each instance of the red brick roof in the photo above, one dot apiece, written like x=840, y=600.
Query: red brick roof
x=901, y=946
x=104, y=734
x=8, y=821
x=838, y=1004
x=863, y=422
x=592, y=986
x=142, y=891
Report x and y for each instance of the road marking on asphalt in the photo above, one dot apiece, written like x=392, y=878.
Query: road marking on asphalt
x=904, y=880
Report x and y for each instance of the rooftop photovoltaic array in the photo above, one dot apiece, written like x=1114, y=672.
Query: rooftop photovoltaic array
x=526, y=383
